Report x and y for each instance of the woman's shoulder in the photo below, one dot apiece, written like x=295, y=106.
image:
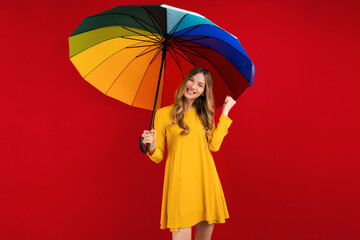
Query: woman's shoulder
x=165, y=112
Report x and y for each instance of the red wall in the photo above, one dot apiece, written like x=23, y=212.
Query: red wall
x=70, y=167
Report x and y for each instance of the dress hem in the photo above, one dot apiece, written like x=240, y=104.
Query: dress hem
x=176, y=229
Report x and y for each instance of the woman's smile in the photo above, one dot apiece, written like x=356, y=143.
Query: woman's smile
x=190, y=91
x=194, y=87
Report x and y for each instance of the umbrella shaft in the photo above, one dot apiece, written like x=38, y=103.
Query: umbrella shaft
x=158, y=85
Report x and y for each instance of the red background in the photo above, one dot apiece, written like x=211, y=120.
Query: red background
x=70, y=167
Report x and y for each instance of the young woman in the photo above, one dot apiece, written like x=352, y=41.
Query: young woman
x=192, y=192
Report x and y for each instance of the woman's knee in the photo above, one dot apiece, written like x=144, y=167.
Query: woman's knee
x=182, y=234
x=204, y=230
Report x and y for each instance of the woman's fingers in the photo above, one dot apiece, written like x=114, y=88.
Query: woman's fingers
x=148, y=132
x=229, y=100
x=149, y=136
x=147, y=140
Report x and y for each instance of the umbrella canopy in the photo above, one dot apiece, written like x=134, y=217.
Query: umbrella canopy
x=120, y=52
x=124, y=51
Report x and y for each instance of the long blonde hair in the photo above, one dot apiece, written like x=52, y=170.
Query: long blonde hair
x=204, y=104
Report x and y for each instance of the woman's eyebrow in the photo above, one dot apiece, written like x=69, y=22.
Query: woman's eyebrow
x=191, y=78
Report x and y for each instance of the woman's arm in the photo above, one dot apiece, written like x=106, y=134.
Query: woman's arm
x=156, y=153
x=219, y=133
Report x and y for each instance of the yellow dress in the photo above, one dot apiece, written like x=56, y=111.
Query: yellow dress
x=192, y=190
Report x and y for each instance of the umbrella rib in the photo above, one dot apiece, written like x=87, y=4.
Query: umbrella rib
x=185, y=57
x=132, y=104
x=160, y=39
x=122, y=72
x=175, y=59
x=190, y=29
x=174, y=48
x=142, y=46
x=178, y=23
x=154, y=21
x=138, y=39
x=214, y=67
x=137, y=33
x=196, y=26
x=183, y=50
x=194, y=39
x=177, y=62
x=142, y=54
x=155, y=56
x=180, y=46
x=133, y=17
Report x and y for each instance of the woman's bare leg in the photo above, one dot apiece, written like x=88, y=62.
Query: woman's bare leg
x=182, y=234
x=204, y=230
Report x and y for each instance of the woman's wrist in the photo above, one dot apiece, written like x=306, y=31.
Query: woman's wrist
x=225, y=112
x=152, y=147
x=151, y=151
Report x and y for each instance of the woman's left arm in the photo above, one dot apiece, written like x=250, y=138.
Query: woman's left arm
x=221, y=131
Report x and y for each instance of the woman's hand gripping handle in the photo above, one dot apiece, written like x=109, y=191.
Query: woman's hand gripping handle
x=148, y=138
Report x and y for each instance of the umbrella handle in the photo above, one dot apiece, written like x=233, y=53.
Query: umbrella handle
x=141, y=145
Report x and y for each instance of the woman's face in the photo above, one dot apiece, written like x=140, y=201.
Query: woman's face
x=194, y=87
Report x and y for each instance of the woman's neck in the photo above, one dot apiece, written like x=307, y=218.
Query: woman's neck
x=188, y=105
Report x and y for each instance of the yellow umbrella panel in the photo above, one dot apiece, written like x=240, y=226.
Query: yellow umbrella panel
x=121, y=67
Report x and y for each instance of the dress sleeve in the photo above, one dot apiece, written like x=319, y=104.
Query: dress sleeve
x=219, y=133
x=159, y=127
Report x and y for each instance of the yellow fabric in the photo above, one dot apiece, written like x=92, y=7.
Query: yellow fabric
x=192, y=190
x=89, y=59
x=83, y=41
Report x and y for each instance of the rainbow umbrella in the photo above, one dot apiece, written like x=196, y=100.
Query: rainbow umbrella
x=139, y=54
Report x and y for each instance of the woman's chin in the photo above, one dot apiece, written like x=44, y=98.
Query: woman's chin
x=188, y=97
